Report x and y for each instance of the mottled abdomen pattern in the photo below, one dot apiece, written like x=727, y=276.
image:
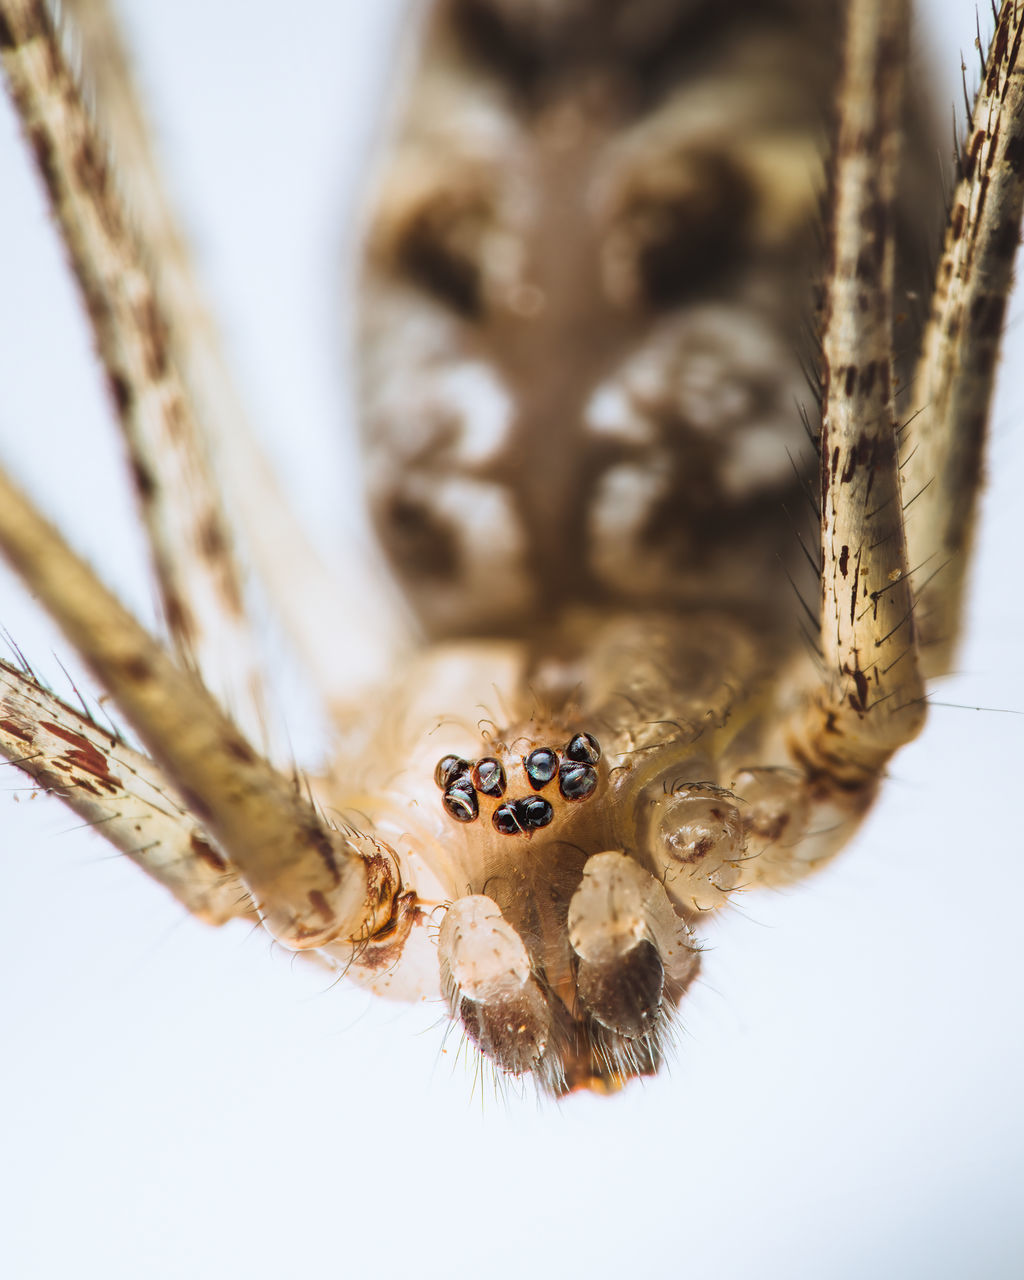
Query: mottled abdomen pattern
x=590, y=280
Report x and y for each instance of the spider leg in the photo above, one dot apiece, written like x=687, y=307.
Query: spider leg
x=871, y=700
x=313, y=884
x=118, y=790
x=195, y=568
x=176, y=404
x=313, y=597
x=943, y=443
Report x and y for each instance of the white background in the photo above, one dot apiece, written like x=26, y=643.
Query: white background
x=174, y=1101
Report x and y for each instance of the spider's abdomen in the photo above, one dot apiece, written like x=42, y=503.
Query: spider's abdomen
x=589, y=280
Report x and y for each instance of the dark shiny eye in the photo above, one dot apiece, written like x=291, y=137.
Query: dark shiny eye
x=533, y=812
x=489, y=777
x=448, y=769
x=505, y=820
x=576, y=781
x=541, y=767
x=460, y=801
x=584, y=749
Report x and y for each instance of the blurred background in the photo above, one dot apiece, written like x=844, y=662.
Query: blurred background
x=845, y=1098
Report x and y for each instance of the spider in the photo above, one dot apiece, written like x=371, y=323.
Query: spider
x=878, y=847
x=576, y=750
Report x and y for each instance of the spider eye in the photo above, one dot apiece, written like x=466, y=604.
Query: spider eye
x=522, y=816
x=461, y=802
x=584, y=749
x=533, y=812
x=449, y=768
x=541, y=766
x=505, y=820
x=576, y=781
x=489, y=777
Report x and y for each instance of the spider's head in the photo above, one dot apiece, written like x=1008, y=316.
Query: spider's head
x=568, y=955
x=518, y=793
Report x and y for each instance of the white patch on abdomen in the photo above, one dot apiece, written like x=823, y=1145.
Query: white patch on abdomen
x=621, y=508
x=702, y=418
x=612, y=413
x=471, y=394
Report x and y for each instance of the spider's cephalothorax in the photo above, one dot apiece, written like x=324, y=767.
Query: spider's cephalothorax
x=633, y=785
x=629, y=267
